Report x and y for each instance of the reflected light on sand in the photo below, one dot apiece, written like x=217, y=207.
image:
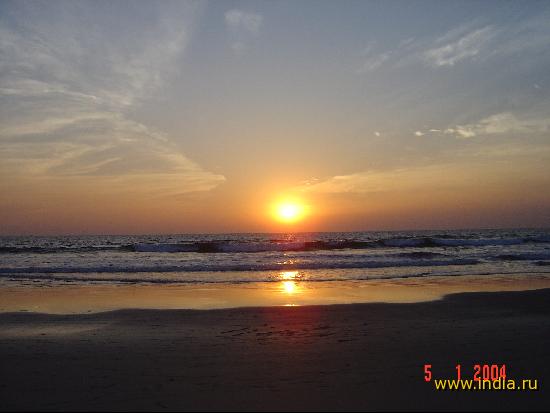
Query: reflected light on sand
x=287, y=290
x=289, y=285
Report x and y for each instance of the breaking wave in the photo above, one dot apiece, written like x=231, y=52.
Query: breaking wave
x=227, y=246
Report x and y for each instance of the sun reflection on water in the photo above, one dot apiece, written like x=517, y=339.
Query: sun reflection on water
x=289, y=286
x=288, y=275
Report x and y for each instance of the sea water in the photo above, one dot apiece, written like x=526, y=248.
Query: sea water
x=248, y=258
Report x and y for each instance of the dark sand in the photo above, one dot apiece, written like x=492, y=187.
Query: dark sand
x=342, y=357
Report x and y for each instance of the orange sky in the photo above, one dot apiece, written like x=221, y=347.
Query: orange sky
x=198, y=117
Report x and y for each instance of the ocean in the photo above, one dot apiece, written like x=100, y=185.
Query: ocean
x=249, y=258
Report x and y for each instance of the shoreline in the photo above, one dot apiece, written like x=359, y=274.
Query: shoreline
x=94, y=298
x=357, y=357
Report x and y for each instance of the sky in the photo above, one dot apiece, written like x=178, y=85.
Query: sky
x=178, y=117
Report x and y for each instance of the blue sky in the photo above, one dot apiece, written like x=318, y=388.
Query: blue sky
x=146, y=109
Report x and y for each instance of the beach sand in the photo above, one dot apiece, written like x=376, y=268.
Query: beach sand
x=339, y=357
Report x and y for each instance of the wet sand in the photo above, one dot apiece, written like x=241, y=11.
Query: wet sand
x=67, y=298
x=340, y=357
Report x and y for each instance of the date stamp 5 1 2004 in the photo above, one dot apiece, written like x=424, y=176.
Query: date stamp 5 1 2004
x=484, y=377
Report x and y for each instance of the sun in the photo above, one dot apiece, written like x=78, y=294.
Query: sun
x=289, y=211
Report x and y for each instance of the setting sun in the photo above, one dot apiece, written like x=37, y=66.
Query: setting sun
x=289, y=211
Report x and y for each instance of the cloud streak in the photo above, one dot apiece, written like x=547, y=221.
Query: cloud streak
x=242, y=25
x=465, y=47
x=242, y=20
x=397, y=180
x=468, y=42
x=67, y=93
x=503, y=123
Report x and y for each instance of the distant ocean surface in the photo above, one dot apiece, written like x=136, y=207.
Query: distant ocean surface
x=246, y=258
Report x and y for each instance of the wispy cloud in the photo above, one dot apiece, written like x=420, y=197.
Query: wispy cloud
x=467, y=46
x=527, y=36
x=243, y=25
x=67, y=92
x=243, y=20
x=371, y=58
x=502, y=123
x=497, y=124
x=456, y=175
x=473, y=41
x=374, y=62
x=371, y=182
